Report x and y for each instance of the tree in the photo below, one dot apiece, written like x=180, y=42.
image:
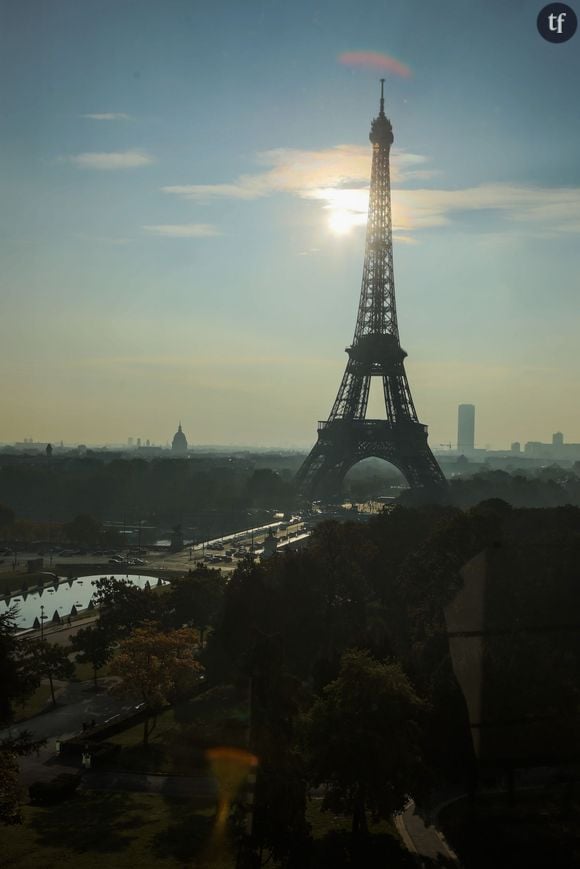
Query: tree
x=156, y=667
x=17, y=682
x=124, y=606
x=279, y=823
x=83, y=529
x=6, y=516
x=195, y=599
x=363, y=739
x=94, y=647
x=51, y=662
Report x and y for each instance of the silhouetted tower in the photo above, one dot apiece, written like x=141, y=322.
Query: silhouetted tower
x=347, y=436
x=465, y=427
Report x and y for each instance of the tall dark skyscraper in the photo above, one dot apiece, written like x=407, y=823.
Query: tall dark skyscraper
x=347, y=436
x=465, y=427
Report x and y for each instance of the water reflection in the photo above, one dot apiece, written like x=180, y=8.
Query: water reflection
x=74, y=594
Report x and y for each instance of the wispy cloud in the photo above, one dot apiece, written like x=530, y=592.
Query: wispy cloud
x=111, y=160
x=102, y=239
x=555, y=209
x=301, y=172
x=108, y=116
x=338, y=178
x=184, y=230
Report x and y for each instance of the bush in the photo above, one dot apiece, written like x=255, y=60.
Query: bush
x=55, y=791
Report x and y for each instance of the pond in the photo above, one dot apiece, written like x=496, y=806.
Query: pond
x=62, y=597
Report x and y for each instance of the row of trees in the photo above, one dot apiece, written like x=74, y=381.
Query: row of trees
x=162, y=489
x=82, y=529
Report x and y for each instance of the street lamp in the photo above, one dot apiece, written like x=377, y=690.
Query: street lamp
x=42, y=617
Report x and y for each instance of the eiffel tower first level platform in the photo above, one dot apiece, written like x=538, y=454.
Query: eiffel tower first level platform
x=347, y=437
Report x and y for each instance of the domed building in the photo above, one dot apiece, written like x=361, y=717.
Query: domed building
x=179, y=444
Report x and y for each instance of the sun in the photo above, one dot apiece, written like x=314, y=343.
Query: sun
x=341, y=222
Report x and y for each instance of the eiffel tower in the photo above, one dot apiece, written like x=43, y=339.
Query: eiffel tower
x=347, y=436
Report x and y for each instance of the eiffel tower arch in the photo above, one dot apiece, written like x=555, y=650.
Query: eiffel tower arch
x=347, y=436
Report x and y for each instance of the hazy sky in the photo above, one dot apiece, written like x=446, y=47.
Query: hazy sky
x=182, y=185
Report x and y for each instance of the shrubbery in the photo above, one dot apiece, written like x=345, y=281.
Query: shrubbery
x=55, y=791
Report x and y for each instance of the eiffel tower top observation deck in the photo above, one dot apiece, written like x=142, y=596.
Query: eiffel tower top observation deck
x=347, y=436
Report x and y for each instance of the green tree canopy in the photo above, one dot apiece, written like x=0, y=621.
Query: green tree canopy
x=156, y=667
x=51, y=662
x=94, y=646
x=363, y=739
x=195, y=599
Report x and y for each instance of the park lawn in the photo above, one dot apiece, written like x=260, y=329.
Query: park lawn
x=176, y=745
x=84, y=672
x=38, y=702
x=333, y=844
x=326, y=822
x=122, y=830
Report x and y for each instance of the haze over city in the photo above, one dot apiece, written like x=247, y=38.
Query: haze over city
x=185, y=192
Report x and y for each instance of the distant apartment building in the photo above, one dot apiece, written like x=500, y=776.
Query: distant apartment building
x=558, y=449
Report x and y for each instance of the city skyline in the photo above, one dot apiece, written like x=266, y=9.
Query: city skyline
x=184, y=220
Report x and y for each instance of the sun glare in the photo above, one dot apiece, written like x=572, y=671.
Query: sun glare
x=341, y=222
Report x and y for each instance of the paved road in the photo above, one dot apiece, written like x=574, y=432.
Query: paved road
x=78, y=703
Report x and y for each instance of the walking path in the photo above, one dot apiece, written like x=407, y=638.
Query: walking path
x=78, y=703
x=426, y=842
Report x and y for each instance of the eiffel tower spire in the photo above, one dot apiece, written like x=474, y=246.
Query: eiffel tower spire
x=347, y=436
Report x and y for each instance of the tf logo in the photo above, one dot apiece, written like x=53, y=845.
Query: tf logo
x=557, y=22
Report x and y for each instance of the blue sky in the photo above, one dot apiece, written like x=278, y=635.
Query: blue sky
x=170, y=175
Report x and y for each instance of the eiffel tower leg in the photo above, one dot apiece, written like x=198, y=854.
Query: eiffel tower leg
x=322, y=473
x=422, y=473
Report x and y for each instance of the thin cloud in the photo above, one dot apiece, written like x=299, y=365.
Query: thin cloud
x=184, y=230
x=338, y=178
x=301, y=172
x=554, y=208
x=112, y=160
x=108, y=116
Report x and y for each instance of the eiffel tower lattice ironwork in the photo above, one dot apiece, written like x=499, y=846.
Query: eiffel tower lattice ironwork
x=347, y=436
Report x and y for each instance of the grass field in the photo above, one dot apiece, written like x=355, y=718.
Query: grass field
x=36, y=703
x=333, y=847
x=123, y=831
x=126, y=831
x=216, y=717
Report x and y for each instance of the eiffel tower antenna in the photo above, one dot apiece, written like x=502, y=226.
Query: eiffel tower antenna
x=347, y=436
